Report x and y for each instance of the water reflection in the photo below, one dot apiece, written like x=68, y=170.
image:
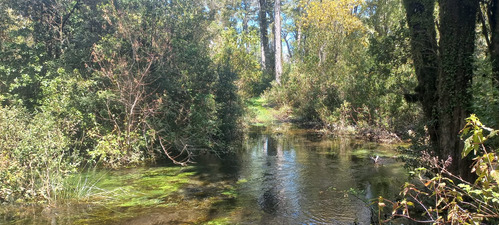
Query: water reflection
x=292, y=178
x=269, y=200
x=296, y=179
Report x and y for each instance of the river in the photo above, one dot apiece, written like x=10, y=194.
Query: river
x=281, y=175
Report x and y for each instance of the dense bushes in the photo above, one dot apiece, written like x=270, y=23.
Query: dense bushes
x=118, y=82
x=442, y=197
x=108, y=82
x=356, y=70
x=35, y=155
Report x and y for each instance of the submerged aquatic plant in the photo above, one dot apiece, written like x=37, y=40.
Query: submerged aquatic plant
x=84, y=187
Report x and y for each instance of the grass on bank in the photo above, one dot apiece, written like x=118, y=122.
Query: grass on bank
x=260, y=113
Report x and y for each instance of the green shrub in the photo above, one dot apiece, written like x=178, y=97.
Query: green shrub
x=34, y=156
x=445, y=198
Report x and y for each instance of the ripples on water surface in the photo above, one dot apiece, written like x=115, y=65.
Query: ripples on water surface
x=298, y=178
x=287, y=177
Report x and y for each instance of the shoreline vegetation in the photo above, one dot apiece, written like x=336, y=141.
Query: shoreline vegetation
x=119, y=83
x=261, y=113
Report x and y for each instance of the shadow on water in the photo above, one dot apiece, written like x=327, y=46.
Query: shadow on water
x=301, y=178
x=288, y=177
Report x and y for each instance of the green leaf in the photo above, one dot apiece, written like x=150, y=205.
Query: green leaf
x=468, y=147
x=494, y=174
x=492, y=134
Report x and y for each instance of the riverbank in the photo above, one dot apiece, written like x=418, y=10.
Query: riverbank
x=282, y=175
x=279, y=175
x=163, y=194
x=260, y=113
x=220, y=190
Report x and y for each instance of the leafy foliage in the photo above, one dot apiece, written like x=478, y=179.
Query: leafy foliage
x=124, y=81
x=446, y=198
x=35, y=155
x=116, y=82
x=353, y=67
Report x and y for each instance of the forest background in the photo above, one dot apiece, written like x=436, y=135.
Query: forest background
x=122, y=82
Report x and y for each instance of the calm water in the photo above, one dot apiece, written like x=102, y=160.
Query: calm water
x=287, y=176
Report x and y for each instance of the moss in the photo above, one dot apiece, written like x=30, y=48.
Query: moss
x=219, y=221
x=230, y=193
x=147, y=188
x=242, y=181
x=362, y=153
x=141, y=201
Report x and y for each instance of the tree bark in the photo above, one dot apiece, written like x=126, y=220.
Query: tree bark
x=492, y=14
x=456, y=45
x=420, y=17
x=277, y=41
x=444, y=73
x=246, y=9
x=289, y=48
x=264, y=41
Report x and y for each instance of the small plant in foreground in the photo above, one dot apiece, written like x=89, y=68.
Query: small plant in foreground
x=445, y=198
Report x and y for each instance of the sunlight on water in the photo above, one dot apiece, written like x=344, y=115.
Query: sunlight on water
x=287, y=177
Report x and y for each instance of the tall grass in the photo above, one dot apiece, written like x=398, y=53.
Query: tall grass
x=83, y=187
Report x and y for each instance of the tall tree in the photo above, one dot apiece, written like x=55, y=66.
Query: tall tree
x=445, y=71
x=264, y=40
x=277, y=41
x=419, y=14
x=456, y=48
x=245, y=4
x=489, y=24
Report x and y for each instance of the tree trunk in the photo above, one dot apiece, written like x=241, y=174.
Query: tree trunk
x=277, y=41
x=299, y=38
x=444, y=77
x=420, y=17
x=246, y=9
x=493, y=19
x=288, y=47
x=264, y=41
x=457, y=41
x=489, y=22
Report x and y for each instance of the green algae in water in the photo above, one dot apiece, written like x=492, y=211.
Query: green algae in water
x=141, y=201
x=147, y=187
x=135, y=189
x=230, y=193
x=242, y=181
x=177, y=195
x=362, y=153
x=365, y=153
x=219, y=221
